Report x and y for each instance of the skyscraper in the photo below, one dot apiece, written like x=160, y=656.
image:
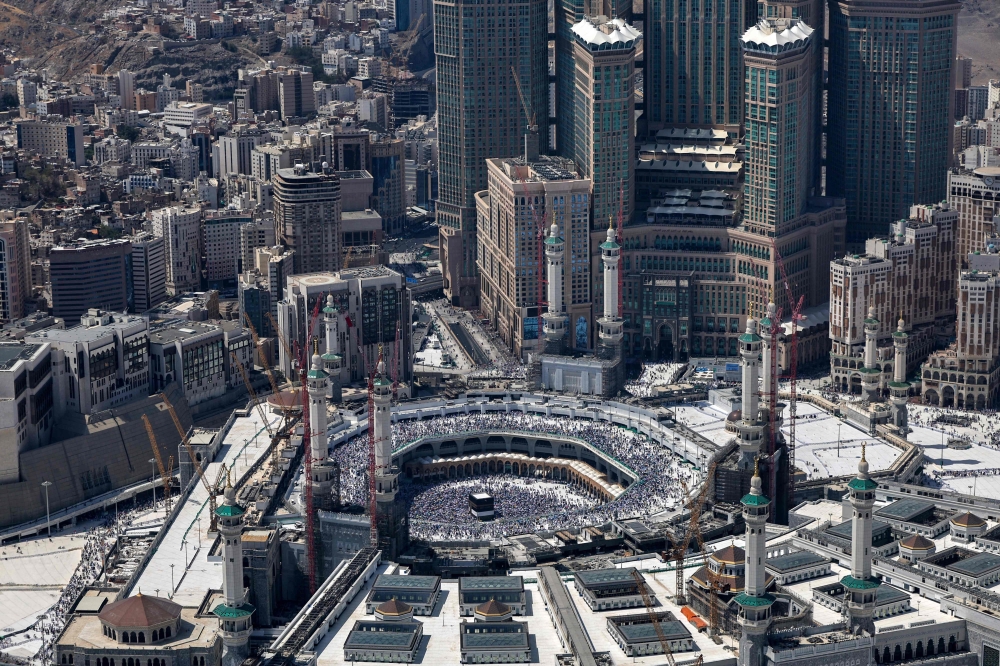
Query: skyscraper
x=890, y=108
x=782, y=123
x=480, y=115
x=15, y=268
x=307, y=217
x=694, y=64
x=149, y=271
x=91, y=274
x=604, y=114
x=180, y=229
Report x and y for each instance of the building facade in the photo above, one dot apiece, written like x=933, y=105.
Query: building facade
x=974, y=195
x=890, y=111
x=180, y=229
x=307, y=217
x=91, y=274
x=480, y=115
x=149, y=271
x=909, y=275
x=515, y=214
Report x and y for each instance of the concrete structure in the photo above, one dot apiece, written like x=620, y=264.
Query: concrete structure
x=100, y=364
x=886, y=280
x=180, y=229
x=295, y=92
x=375, y=298
x=307, y=218
x=880, y=186
x=508, y=250
x=466, y=141
x=26, y=401
x=144, y=627
x=421, y=593
x=797, y=566
x=90, y=274
x=52, y=139
x=494, y=637
x=476, y=590
x=15, y=268
x=967, y=373
x=974, y=195
x=194, y=355
x=149, y=271
x=222, y=246
x=605, y=589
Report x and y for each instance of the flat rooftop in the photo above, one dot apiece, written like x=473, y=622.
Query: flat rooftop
x=905, y=510
x=398, y=582
x=491, y=583
x=604, y=576
x=802, y=558
x=977, y=565
x=12, y=352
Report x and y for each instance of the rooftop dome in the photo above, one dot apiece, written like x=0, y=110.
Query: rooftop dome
x=493, y=608
x=140, y=611
x=916, y=542
x=968, y=519
x=394, y=607
x=731, y=554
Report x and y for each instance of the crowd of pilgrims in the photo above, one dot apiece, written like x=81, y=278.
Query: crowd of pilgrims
x=655, y=374
x=98, y=541
x=659, y=487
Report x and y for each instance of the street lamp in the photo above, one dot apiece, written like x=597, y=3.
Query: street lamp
x=48, y=520
x=838, y=438
x=199, y=531
x=185, y=553
x=152, y=480
x=171, y=580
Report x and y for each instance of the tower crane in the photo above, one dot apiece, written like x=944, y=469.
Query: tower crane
x=194, y=461
x=696, y=505
x=253, y=394
x=164, y=474
x=654, y=619
x=796, y=309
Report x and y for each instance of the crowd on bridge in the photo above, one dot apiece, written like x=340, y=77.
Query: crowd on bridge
x=658, y=487
x=98, y=542
x=653, y=375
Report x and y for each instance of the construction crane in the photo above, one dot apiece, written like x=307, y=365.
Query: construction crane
x=714, y=587
x=654, y=619
x=286, y=410
x=307, y=450
x=194, y=461
x=253, y=394
x=796, y=309
x=159, y=463
x=284, y=345
x=696, y=505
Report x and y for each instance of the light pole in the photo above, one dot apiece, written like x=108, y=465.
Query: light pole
x=838, y=438
x=152, y=480
x=185, y=553
x=171, y=580
x=48, y=520
x=199, y=531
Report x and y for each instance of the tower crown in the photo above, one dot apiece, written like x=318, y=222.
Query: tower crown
x=610, y=244
x=329, y=309
x=755, y=498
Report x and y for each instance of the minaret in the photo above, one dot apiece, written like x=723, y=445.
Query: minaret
x=754, y=602
x=234, y=613
x=332, y=359
x=768, y=353
x=610, y=324
x=860, y=586
x=871, y=374
x=554, y=320
x=324, y=471
x=393, y=535
x=899, y=388
x=750, y=426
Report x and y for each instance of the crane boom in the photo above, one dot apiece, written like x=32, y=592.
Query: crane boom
x=653, y=617
x=194, y=461
x=253, y=394
x=529, y=114
x=159, y=462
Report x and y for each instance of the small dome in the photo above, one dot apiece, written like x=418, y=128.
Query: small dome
x=394, y=607
x=968, y=519
x=916, y=542
x=731, y=554
x=493, y=608
x=140, y=611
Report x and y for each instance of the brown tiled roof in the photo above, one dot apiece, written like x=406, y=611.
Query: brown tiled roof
x=968, y=519
x=493, y=608
x=729, y=555
x=917, y=542
x=140, y=611
x=393, y=607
